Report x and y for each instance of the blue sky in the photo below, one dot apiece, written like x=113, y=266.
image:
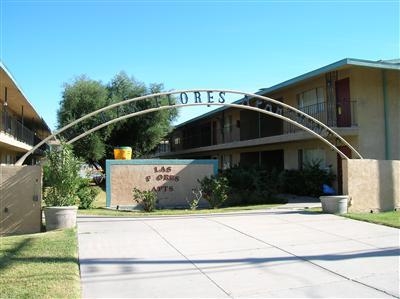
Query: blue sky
x=242, y=45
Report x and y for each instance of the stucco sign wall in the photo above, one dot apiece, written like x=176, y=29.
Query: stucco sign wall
x=173, y=180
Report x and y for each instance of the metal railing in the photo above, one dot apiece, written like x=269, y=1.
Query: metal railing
x=13, y=127
x=325, y=113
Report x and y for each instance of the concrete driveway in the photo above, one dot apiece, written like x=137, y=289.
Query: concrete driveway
x=271, y=253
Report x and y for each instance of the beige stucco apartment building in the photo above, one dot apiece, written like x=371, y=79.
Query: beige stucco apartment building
x=21, y=127
x=358, y=99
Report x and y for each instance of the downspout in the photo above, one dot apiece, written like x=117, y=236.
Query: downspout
x=388, y=155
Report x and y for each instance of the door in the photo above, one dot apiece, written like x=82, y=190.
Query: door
x=343, y=112
x=214, y=133
x=345, y=150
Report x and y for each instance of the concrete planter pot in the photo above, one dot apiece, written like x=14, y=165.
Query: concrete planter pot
x=334, y=204
x=60, y=217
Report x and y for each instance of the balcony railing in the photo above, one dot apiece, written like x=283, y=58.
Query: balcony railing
x=13, y=127
x=333, y=115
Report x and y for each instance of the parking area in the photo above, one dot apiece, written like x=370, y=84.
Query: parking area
x=269, y=253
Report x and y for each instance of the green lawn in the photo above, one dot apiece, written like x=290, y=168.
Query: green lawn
x=391, y=218
x=43, y=265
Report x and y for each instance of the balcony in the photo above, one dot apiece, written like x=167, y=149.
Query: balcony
x=14, y=128
x=256, y=130
x=341, y=114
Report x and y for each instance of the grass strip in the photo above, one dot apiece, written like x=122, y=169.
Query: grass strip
x=43, y=265
x=171, y=212
x=100, y=210
x=391, y=218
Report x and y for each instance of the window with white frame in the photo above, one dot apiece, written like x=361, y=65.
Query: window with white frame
x=313, y=99
x=314, y=156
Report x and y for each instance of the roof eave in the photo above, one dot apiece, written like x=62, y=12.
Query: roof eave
x=329, y=68
x=346, y=62
x=8, y=73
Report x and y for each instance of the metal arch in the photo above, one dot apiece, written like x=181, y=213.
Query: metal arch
x=212, y=104
x=22, y=159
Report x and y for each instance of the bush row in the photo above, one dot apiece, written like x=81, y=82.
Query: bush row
x=248, y=186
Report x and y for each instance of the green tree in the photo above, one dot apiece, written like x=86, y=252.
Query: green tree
x=79, y=98
x=143, y=133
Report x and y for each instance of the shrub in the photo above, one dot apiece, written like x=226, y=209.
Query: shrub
x=86, y=194
x=214, y=190
x=292, y=181
x=251, y=185
x=194, y=202
x=61, y=179
x=147, y=199
x=308, y=181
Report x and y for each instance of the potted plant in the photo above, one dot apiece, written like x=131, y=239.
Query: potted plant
x=61, y=183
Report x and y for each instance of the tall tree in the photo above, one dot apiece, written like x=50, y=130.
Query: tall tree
x=143, y=133
x=79, y=98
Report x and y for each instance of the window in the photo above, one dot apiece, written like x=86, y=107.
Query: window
x=7, y=159
x=313, y=156
x=177, y=141
x=228, y=124
x=163, y=146
x=312, y=100
x=226, y=161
